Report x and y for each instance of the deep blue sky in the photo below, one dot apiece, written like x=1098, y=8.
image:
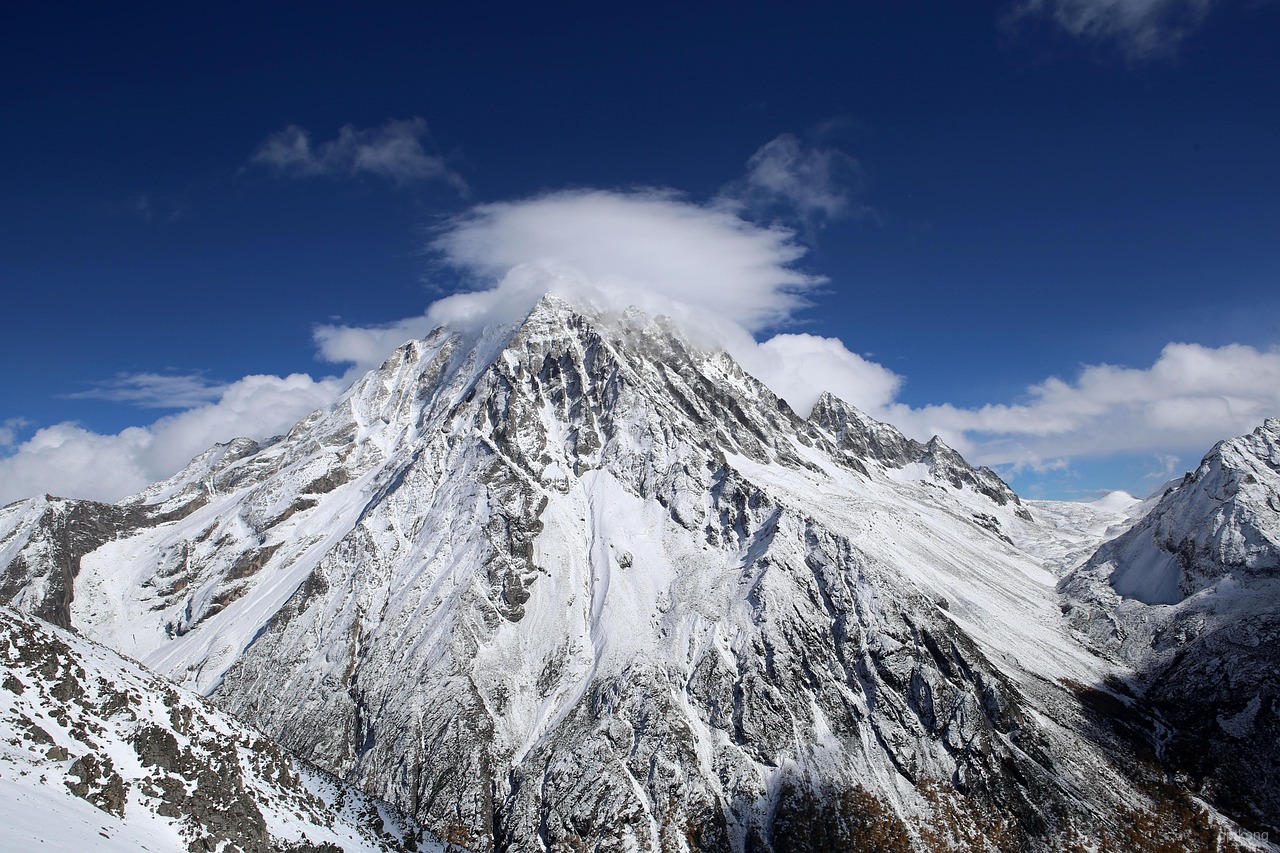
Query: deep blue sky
x=1041, y=201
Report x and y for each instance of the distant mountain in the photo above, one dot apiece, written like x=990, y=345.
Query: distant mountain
x=577, y=583
x=97, y=754
x=1069, y=532
x=1221, y=521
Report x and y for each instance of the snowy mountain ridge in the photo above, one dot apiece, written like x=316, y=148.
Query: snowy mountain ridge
x=1189, y=597
x=576, y=581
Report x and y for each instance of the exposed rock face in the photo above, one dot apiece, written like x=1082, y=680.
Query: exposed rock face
x=45, y=546
x=160, y=764
x=864, y=437
x=576, y=583
x=1190, y=597
x=43, y=540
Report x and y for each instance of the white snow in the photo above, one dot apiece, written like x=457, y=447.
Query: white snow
x=999, y=594
x=1118, y=501
x=39, y=812
x=403, y=504
x=1147, y=572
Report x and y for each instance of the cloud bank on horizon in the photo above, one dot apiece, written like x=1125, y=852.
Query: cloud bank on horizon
x=68, y=460
x=727, y=280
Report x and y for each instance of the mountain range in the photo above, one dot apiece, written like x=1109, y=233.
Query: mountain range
x=578, y=583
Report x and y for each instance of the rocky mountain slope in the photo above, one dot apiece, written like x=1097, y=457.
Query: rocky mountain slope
x=95, y=753
x=1190, y=598
x=578, y=584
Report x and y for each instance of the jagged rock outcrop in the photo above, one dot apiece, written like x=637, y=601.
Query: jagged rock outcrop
x=863, y=437
x=43, y=549
x=44, y=539
x=81, y=729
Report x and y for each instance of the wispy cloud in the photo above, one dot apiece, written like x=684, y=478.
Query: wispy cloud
x=68, y=460
x=154, y=390
x=1142, y=29
x=9, y=431
x=396, y=151
x=802, y=183
x=148, y=208
x=1163, y=467
x=141, y=206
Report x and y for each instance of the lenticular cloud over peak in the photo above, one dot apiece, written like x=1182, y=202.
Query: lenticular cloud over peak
x=629, y=248
x=724, y=280
x=721, y=277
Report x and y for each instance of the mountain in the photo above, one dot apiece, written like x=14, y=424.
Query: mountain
x=577, y=583
x=864, y=438
x=96, y=753
x=1190, y=598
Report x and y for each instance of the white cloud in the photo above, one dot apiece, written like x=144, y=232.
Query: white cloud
x=394, y=151
x=154, y=390
x=68, y=460
x=810, y=184
x=720, y=276
x=800, y=367
x=365, y=347
x=1142, y=28
x=725, y=280
x=626, y=247
x=1191, y=397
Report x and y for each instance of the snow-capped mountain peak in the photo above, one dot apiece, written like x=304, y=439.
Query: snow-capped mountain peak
x=1222, y=521
x=867, y=439
x=1188, y=598
x=576, y=580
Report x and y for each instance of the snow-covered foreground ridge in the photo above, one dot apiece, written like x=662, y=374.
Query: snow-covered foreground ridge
x=96, y=753
x=578, y=583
